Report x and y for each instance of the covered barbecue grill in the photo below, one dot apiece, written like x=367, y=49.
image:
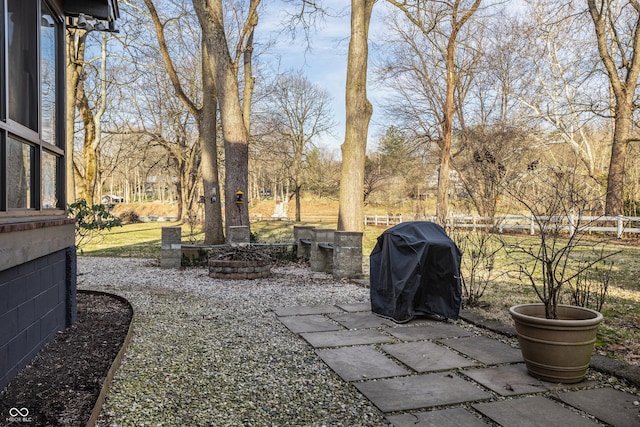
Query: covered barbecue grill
x=415, y=271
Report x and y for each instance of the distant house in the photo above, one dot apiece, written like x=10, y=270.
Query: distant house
x=37, y=252
x=111, y=199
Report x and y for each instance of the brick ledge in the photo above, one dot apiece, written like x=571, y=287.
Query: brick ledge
x=35, y=224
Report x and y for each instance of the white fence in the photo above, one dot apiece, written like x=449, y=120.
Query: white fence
x=603, y=224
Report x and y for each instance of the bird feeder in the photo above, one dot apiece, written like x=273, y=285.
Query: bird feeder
x=239, y=197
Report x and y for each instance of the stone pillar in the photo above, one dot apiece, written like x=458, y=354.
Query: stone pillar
x=347, y=255
x=239, y=235
x=300, y=233
x=321, y=259
x=171, y=248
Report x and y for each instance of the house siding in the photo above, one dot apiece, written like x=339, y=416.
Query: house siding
x=37, y=299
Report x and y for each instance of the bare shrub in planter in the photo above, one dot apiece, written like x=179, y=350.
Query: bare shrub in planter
x=563, y=255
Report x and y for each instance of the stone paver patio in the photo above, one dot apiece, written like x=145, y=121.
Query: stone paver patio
x=429, y=373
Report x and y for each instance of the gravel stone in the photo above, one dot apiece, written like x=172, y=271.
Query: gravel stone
x=211, y=352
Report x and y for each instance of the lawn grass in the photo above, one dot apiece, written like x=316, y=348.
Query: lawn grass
x=140, y=240
x=619, y=335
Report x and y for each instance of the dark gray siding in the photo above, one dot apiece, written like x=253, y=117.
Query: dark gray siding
x=37, y=299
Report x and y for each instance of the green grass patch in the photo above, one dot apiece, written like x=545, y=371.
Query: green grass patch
x=131, y=240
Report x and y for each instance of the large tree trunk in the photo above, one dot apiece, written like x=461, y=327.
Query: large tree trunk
x=89, y=148
x=359, y=110
x=615, y=184
x=623, y=83
x=213, y=231
x=91, y=120
x=236, y=154
x=76, y=43
x=234, y=124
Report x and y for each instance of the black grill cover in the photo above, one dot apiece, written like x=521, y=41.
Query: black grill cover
x=415, y=271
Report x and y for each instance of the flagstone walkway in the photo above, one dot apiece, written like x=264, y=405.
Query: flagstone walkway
x=429, y=373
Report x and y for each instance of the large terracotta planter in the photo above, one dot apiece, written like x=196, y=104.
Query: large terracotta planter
x=556, y=350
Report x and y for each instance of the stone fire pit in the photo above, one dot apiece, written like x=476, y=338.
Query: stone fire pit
x=240, y=263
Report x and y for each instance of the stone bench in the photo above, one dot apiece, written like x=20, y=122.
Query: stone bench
x=302, y=238
x=321, y=259
x=330, y=251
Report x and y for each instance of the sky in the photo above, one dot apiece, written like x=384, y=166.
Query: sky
x=325, y=64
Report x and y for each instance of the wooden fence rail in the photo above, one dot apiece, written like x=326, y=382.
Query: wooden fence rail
x=603, y=224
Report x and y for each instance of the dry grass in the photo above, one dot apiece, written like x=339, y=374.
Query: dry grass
x=146, y=209
x=312, y=209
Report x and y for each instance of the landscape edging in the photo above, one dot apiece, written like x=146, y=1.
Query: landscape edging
x=97, y=408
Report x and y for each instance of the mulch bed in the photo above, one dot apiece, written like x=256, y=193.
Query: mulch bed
x=62, y=384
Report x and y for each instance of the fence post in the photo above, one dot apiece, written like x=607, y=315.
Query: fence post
x=619, y=226
x=572, y=225
x=532, y=230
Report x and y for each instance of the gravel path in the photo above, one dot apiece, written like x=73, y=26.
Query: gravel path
x=208, y=352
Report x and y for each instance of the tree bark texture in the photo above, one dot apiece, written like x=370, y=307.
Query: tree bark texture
x=234, y=124
x=359, y=110
x=76, y=42
x=442, y=206
x=91, y=119
x=207, y=120
x=624, y=80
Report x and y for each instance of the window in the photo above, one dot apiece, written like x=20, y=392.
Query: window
x=31, y=142
x=49, y=180
x=48, y=60
x=23, y=64
x=20, y=162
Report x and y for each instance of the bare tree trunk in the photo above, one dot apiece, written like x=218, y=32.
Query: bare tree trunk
x=619, y=147
x=442, y=207
x=209, y=166
x=627, y=51
x=232, y=112
x=359, y=110
x=298, y=205
x=180, y=196
x=91, y=119
x=76, y=42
